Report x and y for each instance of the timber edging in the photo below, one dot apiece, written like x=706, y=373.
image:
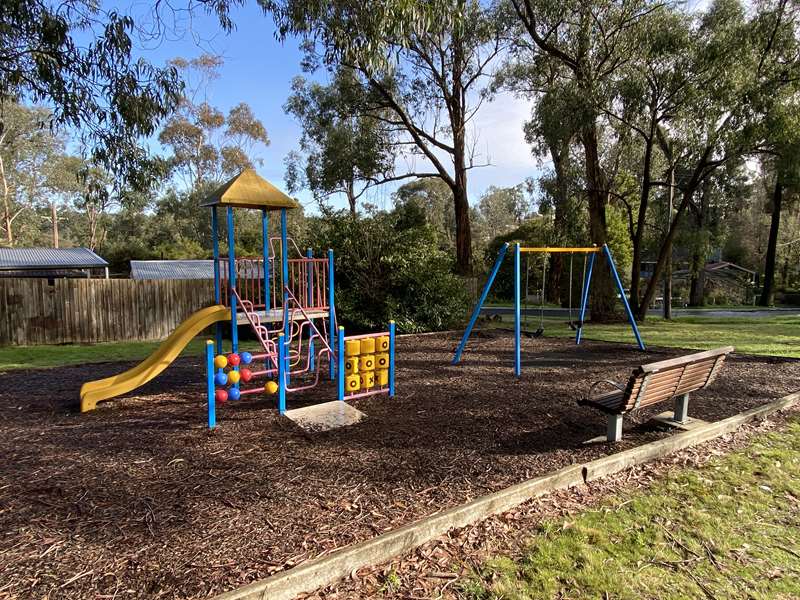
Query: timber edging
x=328, y=569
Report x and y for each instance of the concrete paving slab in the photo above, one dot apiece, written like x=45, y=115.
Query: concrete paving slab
x=325, y=416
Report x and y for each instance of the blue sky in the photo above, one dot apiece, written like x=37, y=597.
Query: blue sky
x=258, y=70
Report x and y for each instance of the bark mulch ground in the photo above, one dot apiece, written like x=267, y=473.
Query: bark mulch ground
x=138, y=499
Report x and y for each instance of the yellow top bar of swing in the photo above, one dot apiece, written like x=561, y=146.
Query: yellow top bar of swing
x=583, y=250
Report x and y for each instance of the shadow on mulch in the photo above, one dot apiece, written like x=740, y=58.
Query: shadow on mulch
x=139, y=499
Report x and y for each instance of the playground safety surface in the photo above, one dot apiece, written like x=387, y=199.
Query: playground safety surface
x=138, y=499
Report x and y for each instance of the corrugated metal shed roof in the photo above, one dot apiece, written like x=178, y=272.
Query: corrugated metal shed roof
x=172, y=269
x=21, y=259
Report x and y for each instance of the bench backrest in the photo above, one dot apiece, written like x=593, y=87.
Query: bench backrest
x=665, y=379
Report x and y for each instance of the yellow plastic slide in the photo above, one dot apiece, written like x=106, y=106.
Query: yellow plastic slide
x=93, y=392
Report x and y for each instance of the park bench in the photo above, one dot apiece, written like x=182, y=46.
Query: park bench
x=656, y=382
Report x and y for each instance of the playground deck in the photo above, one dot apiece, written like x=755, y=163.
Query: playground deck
x=138, y=499
x=276, y=315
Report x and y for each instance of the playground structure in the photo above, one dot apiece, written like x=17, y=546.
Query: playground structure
x=591, y=252
x=285, y=297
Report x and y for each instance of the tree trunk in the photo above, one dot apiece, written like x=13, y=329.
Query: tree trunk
x=7, y=217
x=54, y=218
x=351, y=197
x=768, y=291
x=463, y=231
x=697, y=176
x=603, y=297
x=697, y=287
x=668, y=248
x=456, y=110
x=641, y=221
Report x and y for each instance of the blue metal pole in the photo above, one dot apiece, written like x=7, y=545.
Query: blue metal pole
x=265, y=255
x=584, y=298
x=281, y=374
x=477, y=311
x=217, y=292
x=232, y=281
x=285, y=272
x=331, y=311
x=622, y=295
x=391, y=359
x=210, y=390
x=309, y=303
x=340, y=360
x=517, y=319
x=285, y=283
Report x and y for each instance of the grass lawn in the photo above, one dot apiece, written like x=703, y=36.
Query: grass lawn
x=730, y=529
x=778, y=336
x=27, y=357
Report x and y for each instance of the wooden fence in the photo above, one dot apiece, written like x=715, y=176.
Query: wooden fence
x=32, y=311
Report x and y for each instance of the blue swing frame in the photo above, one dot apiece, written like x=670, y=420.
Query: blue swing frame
x=518, y=250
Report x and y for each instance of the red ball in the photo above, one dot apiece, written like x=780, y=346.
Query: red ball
x=233, y=359
x=245, y=374
x=221, y=396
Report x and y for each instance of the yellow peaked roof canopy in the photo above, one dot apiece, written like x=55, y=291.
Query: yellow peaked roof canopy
x=249, y=190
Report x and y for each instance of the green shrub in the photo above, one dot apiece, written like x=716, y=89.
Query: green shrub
x=389, y=266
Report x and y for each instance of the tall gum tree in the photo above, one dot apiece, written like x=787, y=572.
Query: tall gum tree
x=426, y=62
x=754, y=60
x=590, y=41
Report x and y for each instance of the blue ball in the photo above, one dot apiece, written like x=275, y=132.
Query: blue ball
x=234, y=394
x=246, y=357
x=220, y=378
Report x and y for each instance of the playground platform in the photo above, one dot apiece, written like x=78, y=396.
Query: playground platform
x=275, y=315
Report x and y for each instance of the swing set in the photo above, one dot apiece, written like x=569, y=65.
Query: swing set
x=589, y=256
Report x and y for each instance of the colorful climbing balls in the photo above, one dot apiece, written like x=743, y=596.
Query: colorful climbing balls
x=246, y=357
x=270, y=387
x=233, y=359
x=234, y=393
x=220, y=361
x=221, y=396
x=245, y=374
x=221, y=378
x=233, y=377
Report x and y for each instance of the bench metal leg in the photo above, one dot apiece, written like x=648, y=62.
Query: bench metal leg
x=614, y=432
x=681, y=408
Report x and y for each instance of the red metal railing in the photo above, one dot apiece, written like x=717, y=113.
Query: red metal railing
x=308, y=282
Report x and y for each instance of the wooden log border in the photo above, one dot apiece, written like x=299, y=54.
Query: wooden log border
x=323, y=571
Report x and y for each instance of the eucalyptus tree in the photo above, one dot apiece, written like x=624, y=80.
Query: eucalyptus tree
x=76, y=57
x=751, y=66
x=346, y=147
x=426, y=64
x=588, y=43
x=206, y=144
x=35, y=170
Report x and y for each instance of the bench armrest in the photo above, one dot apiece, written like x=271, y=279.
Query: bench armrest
x=620, y=387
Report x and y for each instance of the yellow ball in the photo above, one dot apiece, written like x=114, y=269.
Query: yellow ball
x=220, y=361
x=270, y=387
x=233, y=377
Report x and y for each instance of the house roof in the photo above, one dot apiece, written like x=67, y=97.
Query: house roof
x=25, y=259
x=172, y=269
x=249, y=190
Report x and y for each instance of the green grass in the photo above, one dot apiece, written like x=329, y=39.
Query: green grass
x=728, y=530
x=28, y=357
x=777, y=336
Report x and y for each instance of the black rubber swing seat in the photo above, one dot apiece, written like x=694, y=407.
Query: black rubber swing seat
x=533, y=334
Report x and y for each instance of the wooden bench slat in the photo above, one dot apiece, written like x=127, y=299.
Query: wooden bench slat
x=682, y=360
